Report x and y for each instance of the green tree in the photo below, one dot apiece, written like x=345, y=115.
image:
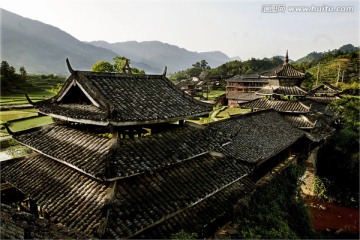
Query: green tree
x=103, y=66
x=338, y=161
x=119, y=63
x=23, y=73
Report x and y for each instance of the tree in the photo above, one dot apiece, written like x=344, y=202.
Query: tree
x=119, y=63
x=103, y=66
x=338, y=160
x=8, y=74
x=23, y=73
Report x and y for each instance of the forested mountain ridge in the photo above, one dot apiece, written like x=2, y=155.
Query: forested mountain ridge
x=158, y=54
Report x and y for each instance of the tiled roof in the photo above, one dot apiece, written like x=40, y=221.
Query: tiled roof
x=300, y=121
x=186, y=190
x=147, y=200
x=326, y=89
x=163, y=149
x=242, y=96
x=180, y=178
x=197, y=217
x=107, y=159
x=322, y=130
x=279, y=105
x=260, y=136
x=67, y=195
x=247, y=78
x=285, y=70
x=16, y=224
x=85, y=151
x=286, y=91
x=324, y=100
x=73, y=111
x=122, y=99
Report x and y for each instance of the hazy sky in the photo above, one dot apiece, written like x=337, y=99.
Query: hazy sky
x=237, y=28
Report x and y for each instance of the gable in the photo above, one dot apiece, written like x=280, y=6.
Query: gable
x=75, y=93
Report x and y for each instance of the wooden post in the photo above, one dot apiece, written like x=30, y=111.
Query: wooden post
x=131, y=133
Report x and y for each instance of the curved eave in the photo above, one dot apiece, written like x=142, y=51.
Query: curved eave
x=145, y=122
x=306, y=128
x=123, y=123
x=284, y=77
x=264, y=94
x=281, y=94
x=78, y=120
x=278, y=110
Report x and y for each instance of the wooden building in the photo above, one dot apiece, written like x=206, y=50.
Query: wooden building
x=157, y=174
x=242, y=88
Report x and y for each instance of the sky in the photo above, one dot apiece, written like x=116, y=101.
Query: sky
x=238, y=28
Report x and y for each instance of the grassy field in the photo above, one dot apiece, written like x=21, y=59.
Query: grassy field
x=215, y=93
x=21, y=99
x=24, y=124
x=11, y=115
x=230, y=111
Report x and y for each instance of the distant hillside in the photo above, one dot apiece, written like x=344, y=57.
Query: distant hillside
x=42, y=48
x=246, y=67
x=316, y=56
x=328, y=68
x=157, y=54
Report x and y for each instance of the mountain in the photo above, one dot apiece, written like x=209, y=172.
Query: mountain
x=42, y=48
x=158, y=54
x=316, y=56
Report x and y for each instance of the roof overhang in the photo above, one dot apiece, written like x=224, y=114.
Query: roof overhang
x=121, y=123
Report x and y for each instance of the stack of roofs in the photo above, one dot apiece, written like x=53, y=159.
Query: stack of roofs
x=181, y=176
x=301, y=107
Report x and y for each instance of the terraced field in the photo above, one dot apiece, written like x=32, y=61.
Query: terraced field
x=18, y=115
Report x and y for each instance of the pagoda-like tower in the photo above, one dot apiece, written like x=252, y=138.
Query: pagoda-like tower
x=284, y=75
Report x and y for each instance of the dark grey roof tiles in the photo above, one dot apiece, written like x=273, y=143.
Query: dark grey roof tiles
x=241, y=96
x=108, y=159
x=285, y=70
x=196, y=218
x=74, y=111
x=123, y=99
x=84, y=151
x=325, y=89
x=16, y=224
x=285, y=91
x=324, y=100
x=132, y=156
x=300, y=121
x=67, y=195
x=260, y=136
x=278, y=105
x=247, y=78
x=147, y=200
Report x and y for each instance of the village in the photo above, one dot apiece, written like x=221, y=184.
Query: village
x=126, y=156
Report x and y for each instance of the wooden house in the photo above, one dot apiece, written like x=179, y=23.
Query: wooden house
x=176, y=176
x=242, y=88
